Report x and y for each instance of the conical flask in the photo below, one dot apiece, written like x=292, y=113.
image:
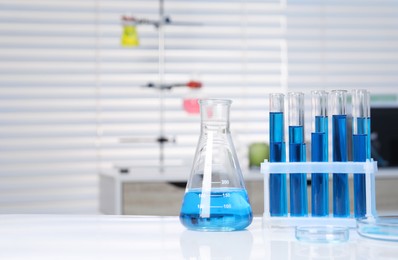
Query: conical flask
x=215, y=197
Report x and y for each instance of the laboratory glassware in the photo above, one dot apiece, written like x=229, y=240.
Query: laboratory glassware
x=360, y=146
x=341, y=202
x=130, y=35
x=215, y=197
x=368, y=168
x=297, y=153
x=322, y=234
x=277, y=182
x=319, y=153
x=379, y=227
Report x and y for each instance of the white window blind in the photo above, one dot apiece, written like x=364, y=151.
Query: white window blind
x=48, y=106
x=235, y=48
x=343, y=44
x=69, y=91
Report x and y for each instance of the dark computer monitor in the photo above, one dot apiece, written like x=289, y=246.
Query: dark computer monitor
x=384, y=128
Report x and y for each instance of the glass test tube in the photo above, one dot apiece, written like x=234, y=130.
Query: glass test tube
x=361, y=148
x=319, y=153
x=277, y=182
x=341, y=202
x=369, y=145
x=298, y=181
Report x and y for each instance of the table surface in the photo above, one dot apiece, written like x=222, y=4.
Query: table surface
x=141, y=237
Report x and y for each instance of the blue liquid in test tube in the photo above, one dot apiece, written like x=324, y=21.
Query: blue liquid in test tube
x=298, y=181
x=361, y=146
x=341, y=201
x=368, y=143
x=369, y=130
x=277, y=182
x=319, y=153
x=359, y=155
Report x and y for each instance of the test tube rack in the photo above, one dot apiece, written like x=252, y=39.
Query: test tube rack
x=369, y=168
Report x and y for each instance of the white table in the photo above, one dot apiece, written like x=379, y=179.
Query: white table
x=134, y=237
x=111, y=183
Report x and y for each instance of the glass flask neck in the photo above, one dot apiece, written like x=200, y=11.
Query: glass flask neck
x=215, y=114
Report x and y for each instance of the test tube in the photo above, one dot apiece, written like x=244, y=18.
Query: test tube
x=298, y=181
x=277, y=182
x=369, y=145
x=360, y=146
x=319, y=153
x=341, y=202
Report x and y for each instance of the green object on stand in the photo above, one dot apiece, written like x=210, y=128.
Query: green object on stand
x=258, y=152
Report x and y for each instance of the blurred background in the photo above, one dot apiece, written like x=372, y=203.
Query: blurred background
x=98, y=98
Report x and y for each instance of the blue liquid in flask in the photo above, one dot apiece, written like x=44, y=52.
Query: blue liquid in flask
x=320, y=181
x=229, y=210
x=298, y=181
x=277, y=182
x=341, y=206
x=361, y=152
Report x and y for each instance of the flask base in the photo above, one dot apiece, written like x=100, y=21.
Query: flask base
x=216, y=222
x=228, y=210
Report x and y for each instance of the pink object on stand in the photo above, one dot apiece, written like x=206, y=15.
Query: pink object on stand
x=191, y=105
